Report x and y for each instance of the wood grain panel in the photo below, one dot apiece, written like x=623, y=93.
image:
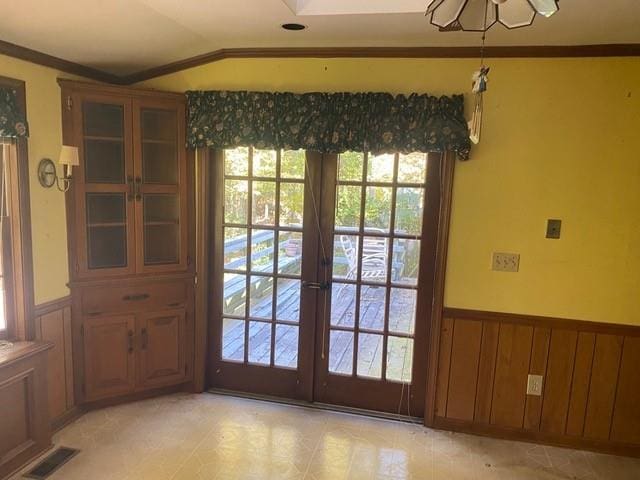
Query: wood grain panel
x=558, y=381
x=486, y=371
x=580, y=383
x=537, y=366
x=510, y=384
x=626, y=417
x=444, y=363
x=463, y=374
x=602, y=389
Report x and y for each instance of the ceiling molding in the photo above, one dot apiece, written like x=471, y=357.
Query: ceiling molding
x=39, y=58
x=536, y=51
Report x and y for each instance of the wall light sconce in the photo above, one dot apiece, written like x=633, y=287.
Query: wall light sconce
x=47, y=174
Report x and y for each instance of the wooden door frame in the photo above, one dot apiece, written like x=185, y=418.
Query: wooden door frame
x=447, y=167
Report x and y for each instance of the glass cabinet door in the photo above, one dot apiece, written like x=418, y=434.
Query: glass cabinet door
x=160, y=181
x=104, y=187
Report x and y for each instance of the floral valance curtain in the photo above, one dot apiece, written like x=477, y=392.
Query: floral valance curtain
x=328, y=122
x=12, y=121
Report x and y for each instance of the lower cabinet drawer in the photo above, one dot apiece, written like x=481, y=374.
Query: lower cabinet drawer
x=133, y=298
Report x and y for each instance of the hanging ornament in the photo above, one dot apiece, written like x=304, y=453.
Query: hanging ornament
x=478, y=87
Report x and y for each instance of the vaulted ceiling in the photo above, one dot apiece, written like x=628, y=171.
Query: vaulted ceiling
x=124, y=36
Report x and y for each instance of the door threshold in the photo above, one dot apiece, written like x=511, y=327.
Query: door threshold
x=319, y=406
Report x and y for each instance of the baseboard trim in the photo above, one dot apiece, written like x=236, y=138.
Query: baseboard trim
x=66, y=418
x=562, y=441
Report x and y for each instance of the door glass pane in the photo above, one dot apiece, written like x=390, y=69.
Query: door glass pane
x=264, y=163
x=103, y=120
x=288, y=300
x=104, y=161
x=341, y=352
x=263, y=206
x=380, y=168
x=286, y=354
x=291, y=204
x=236, y=198
x=348, y=201
x=345, y=256
x=375, y=253
x=402, y=310
x=350, y=166
x=409, y=207
x=292, y=164
x=234, y=296
x=262, y=254
x=290, y=253
x=233, y=339
x=106, y=230
x=343, y=304
x=399, y=359
x=372, y=305
x=412, y=168
x=235, y=248
x=161, y=216
x=377, y=209
x=369, y=355
x=159, y=146
x=260, y=343
x=236, y=161
x=406, y=260
x=261, y=297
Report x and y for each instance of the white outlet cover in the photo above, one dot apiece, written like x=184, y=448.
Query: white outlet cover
x=505, y=262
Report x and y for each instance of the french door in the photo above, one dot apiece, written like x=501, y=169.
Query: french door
x=322, y=275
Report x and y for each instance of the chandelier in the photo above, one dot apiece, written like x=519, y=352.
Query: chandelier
x=481, y=15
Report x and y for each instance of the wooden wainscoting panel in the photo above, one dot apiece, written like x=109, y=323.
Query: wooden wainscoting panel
x=510, y=383
x=626, y=417
x=557, y=388
x=444, y=363
x=537, y=366
x=486, y=371
x=602, y=390
x=15, y=407
x=463, y=373
x=580, y=383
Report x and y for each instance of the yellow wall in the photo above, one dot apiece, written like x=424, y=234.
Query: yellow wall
x=559, y=141
x=48, y=221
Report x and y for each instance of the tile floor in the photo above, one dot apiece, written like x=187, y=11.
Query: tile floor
x=208, y=436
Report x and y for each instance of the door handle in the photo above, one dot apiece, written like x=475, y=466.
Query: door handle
x=145, y=338
x=130, y=341
x=317, y=285
x=130, y=185
x=138, y=188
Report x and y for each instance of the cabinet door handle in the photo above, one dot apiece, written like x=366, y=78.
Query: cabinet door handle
x=130, y=340
x=130, y=185
x=135, y=298
x=145, y=339
x=138, y=189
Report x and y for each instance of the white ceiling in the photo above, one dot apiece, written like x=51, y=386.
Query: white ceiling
x=124, y=36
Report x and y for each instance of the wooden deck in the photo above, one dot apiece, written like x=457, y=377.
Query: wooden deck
x=370, y=344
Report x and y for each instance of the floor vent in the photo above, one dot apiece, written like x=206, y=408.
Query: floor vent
x=52, y=463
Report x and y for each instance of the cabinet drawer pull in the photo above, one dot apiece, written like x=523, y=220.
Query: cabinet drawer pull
x=130, y=340
x=94, y=314
x=145, y=339
x=176, y=304
x=136, y=298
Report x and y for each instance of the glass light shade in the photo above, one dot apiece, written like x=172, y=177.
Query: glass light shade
x=69, y=156
x=480, y=15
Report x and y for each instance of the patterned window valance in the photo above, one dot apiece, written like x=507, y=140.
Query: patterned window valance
x=328, y=122
x=12, y=121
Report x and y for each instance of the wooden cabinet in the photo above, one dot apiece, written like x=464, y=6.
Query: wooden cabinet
x=130, y=231
x=130, y=189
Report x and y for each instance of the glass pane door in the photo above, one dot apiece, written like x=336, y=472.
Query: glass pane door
x=369, y=330
x=104, y=189
x=160, y=173
x=260, y=269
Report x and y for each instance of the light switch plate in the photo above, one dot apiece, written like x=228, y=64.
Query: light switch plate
x=506, y=262
x=534, y=385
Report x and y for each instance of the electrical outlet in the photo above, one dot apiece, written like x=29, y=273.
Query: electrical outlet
x=534, y=385
x=506, y=262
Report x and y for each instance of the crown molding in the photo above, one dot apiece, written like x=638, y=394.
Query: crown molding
x=535, y=51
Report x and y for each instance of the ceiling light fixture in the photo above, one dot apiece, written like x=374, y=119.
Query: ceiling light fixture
x=481, y=15
x=293, y=27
